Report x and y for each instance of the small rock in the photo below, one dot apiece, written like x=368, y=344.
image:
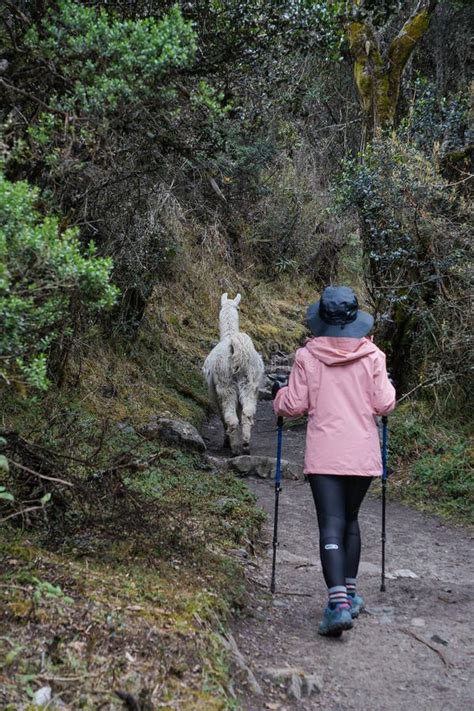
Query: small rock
x=298, y=683
x=383, y=615
x=231, y=645
x=417, y=622
x=295, y=689
x=264, y=467
x=404, y=573
x=313, y=684
x=240, y=553
x=176, y=432
x=216, y=464
x=439, y=640
x=42, y=696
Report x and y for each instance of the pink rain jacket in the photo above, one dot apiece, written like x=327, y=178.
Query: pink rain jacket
x=342, y=384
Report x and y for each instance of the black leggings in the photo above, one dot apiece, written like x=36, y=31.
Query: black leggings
x=338, y=499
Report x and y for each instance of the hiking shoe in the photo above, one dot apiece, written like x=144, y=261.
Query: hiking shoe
x=357, y=604
x=335, y=621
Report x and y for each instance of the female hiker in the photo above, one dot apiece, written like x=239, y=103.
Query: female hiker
x=339, y=379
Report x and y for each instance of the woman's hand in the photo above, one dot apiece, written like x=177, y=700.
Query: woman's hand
x=280, y=382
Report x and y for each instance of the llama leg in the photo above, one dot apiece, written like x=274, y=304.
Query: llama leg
x=249, y=408
x=228, y=404
x=215, y=404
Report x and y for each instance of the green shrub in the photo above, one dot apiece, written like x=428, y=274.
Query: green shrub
x=42, y=273
x=106, y=60
x=415, y=232
x=433, y=462
x=436, y=120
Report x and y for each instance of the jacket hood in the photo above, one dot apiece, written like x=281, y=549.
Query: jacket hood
x=337, y=351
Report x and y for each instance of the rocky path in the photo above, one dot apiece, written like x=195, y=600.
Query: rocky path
x=412, y=649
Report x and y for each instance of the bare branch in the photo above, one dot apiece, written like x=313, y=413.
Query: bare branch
x=41, y=476
x=40, y=102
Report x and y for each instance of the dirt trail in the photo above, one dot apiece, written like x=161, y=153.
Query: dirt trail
x=412, y=649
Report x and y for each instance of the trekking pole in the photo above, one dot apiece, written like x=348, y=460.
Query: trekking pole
x=384, y=492
x=277, y=496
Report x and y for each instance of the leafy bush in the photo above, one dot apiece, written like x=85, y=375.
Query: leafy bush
x=433, y=459
x=42, y=272
x=106, y=60
x=436, y=121
x=415, y=232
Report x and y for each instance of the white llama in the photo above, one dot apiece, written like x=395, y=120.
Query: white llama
x=234, y=370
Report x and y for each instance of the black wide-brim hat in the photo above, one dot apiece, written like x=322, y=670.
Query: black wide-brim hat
x=337, y=314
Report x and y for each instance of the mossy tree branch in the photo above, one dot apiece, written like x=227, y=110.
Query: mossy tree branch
x=378, y=79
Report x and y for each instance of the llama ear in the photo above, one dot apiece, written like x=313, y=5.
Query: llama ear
x=237, y=299
x=223, y=298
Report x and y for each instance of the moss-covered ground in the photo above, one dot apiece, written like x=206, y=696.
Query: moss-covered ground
x=115, y=608
x=431, y=462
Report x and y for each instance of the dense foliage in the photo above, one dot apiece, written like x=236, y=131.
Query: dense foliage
x=417, y=243
x=44, y=274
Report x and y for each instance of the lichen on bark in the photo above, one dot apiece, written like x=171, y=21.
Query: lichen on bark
x=378, y=79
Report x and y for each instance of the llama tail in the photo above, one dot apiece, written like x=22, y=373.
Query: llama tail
x=239, y=354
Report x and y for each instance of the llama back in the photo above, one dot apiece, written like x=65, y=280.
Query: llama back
x=244, y=357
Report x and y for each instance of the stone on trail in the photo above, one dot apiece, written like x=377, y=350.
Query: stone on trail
x=264, y=467
x=216, y=464
x=382, y=615
x=298, y=682
x=373, y=569
x=278, y=603
x=404, y=573
x=175, y=432
x=231, y=646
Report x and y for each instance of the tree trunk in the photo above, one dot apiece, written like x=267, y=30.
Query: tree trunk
x=378, y=74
